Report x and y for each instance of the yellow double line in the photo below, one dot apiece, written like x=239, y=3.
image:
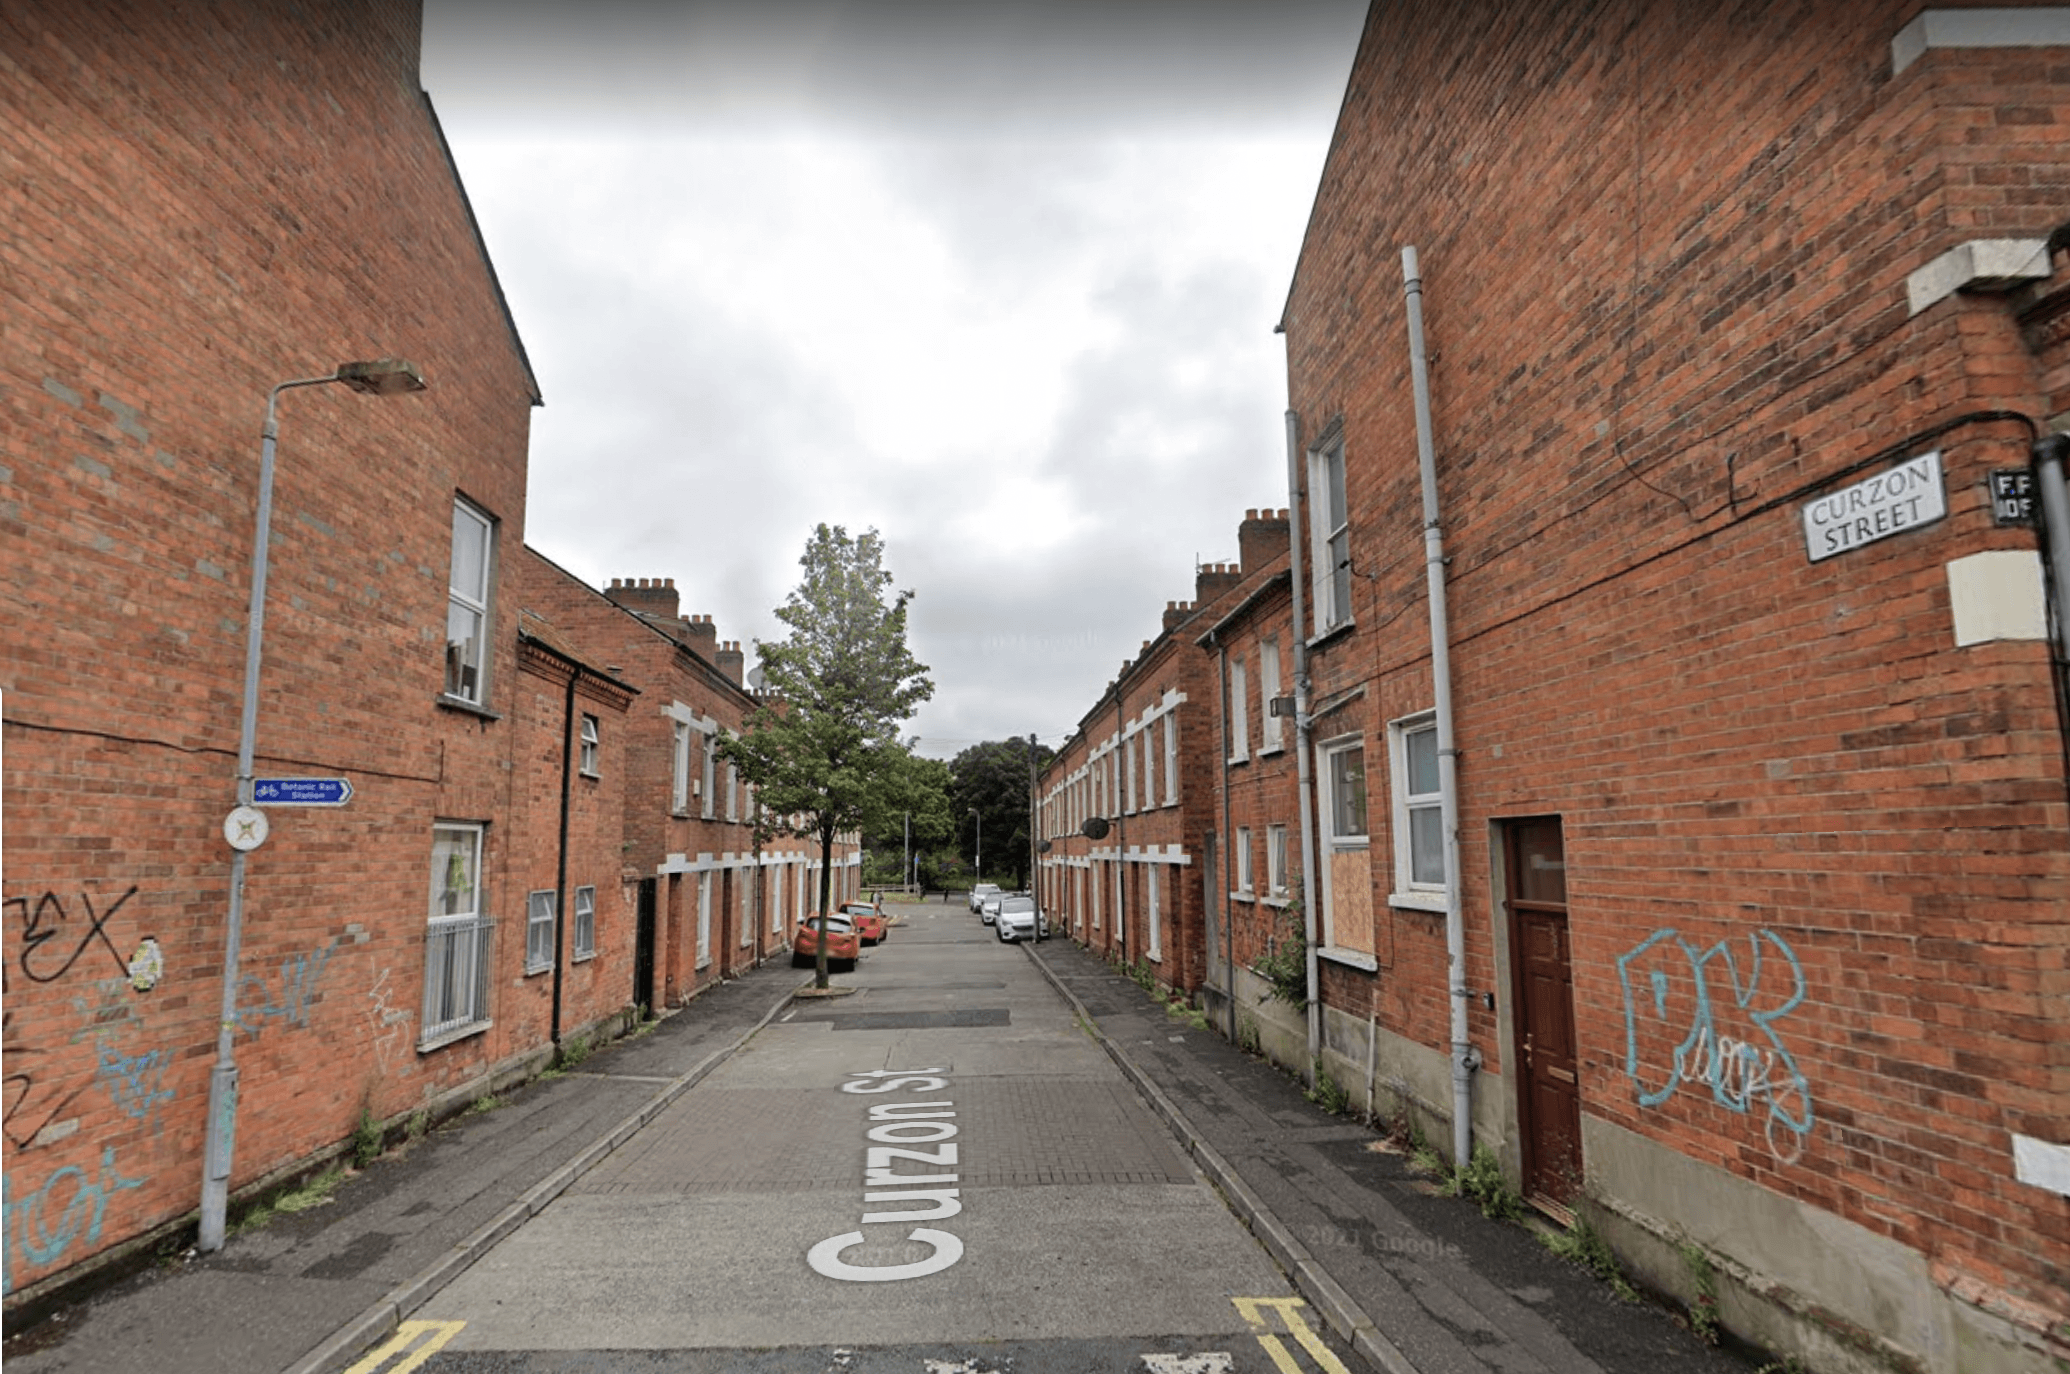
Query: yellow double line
x=1253, y=1311
x=412, y=1344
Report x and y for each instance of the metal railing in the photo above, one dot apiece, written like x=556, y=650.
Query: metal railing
x=456, y=974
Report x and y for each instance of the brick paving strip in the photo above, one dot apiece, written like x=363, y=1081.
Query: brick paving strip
x=1338, y=1308
x=379, y=1321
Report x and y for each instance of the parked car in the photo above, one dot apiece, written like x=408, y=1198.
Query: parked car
x=978, y=895
x=988, y=909
x=870, y=925
x=1017, y=918
x=844, y=946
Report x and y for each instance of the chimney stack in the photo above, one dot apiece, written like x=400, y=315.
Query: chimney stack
x=731, y=661
x=654, y=596
x=1213, y=580
x=697, y=634
x=1261, y=538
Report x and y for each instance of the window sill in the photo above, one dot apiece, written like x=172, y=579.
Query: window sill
x=1417, y=901
x=592, y=774
x=1243, y=894
x=1281, y=900
x=534, y=972
x=1348, y=957
x=447, y=702
x=582, y=958
x=1318, y=640
x=439, y=1042
x=1269, y=749
x=1235, y=759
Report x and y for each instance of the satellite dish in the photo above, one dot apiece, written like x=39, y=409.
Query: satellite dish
x=1042, y=848
x=1095, y=828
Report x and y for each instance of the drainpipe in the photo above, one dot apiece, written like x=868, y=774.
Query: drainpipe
x=2050, y=454
x=1120, y=931
x=1302, y=767
x=560, y=871
x=1228, y=835
x=1464, y=1058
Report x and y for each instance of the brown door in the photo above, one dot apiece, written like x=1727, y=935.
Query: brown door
x=1550, y=1098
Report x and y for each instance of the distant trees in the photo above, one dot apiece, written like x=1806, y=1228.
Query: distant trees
x=993, y=779
x=826, y=746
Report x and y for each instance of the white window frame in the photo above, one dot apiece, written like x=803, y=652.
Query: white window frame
x=1329, y=525
x=1171, y=758
x=1276, y=861
x=592, y=739
x=732, y=792
x=1271, y=728
x=776, y=898
x=708, y=783
x=679, y=770
x=1154, y=916
x=457, y=944
x=1336, y=840
x=1239, y=713
x=1243, y=861
x=1128, y=749
x=585, y=931
x=539, y=919
x=1408, y=807
x=704, y=919
x=470, y=604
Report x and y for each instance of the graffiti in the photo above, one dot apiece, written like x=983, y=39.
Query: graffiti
x=389, y=1023
x=135, y=1081
x=42, y=923
x=40, y=1226
x=1741, y=1071
x=30, y=1109
x=299, y=975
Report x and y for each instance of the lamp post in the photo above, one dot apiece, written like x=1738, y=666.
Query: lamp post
x=980, y=865
x=245, y=827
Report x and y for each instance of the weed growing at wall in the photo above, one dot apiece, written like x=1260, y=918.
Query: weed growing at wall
x=1285, y=962
x=1248, y=1038
x=1482, y=1180
x=315, y=1193
x=1703, y=1308
x=1579, y=1244
x=366, y=1140
x=1327, y=1093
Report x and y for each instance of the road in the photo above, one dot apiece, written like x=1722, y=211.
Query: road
x=1025, y=1213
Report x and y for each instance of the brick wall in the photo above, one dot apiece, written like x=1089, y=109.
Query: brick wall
x=202, y=212
x=1664, y=259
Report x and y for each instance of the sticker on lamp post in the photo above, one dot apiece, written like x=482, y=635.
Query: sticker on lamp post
x=1903, y=498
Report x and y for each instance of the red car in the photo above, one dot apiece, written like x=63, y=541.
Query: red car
x=870, y=922
x=844, y=947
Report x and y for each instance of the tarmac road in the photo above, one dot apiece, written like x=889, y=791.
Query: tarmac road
x=1049, y=1221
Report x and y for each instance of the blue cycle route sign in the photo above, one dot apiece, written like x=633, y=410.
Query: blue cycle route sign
x=301, y=791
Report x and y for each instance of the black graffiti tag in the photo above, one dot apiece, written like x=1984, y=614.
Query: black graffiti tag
x=40, y=925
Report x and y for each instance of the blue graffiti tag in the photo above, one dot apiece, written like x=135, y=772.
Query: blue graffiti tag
x=135, y=1080
x=299, y=975
x=1739, y=1071
x=41, y=1226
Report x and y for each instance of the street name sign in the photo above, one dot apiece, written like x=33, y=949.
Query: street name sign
x=1903, y=498
x=301, y=791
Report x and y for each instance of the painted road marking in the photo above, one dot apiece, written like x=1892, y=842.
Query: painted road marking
x=1252, y=1310
x=1207, y=1362
x=405, y=1343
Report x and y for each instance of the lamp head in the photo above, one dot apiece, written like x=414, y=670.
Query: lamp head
x=381, y=377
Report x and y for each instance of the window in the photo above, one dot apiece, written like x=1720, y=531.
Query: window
x=1276, y=860
x=1347, y=876
x=1128, y=747
x=1243, y=860
x=589, y=746
x=679, y=787
x=1418, y=807
x=1154, y=915
x=711, y=773
x=1270, y=733
x=1239, y=713
x=1346, y=779
x=467, y=608
x=732, y=793
x=1171, y=760
x=776, y=899
x=1330, y=536
x=585, y=922
x=456, y=944
x=538, y=932
x=704, y=919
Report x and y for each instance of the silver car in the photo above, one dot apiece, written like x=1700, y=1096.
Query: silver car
x=988, y=905
x=979, y=893
x=1017, y=918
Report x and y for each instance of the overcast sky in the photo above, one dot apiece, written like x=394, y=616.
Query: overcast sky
x=999, y=279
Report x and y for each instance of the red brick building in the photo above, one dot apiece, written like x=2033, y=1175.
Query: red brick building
x=1762, y=852
x=197, y=213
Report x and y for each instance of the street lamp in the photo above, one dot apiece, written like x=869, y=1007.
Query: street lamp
x=245, y=827
x=980, y=844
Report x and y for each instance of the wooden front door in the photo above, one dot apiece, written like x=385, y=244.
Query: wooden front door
x=1550, y=1092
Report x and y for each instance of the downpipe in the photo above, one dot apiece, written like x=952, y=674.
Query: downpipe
x=1465, y=1059
x=1304, y=772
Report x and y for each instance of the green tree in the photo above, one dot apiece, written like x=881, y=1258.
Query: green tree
x=823, y=746
x=992, y=780
x=921, y=794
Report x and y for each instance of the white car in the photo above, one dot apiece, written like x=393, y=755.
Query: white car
x=988, y=906
x=1017, y=918
x=978, y=895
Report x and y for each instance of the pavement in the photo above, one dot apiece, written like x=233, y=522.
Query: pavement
x=1415, y=1282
